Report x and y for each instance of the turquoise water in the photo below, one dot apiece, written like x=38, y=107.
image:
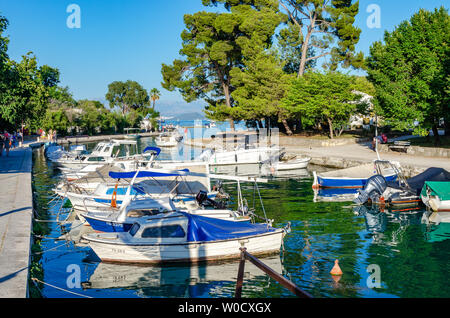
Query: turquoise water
x=411, y=254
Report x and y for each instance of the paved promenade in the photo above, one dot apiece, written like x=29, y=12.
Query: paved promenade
x=16, y=206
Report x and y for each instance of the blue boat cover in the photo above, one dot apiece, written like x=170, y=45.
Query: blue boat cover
x=144, y=174
x=155, y=149
x=204, y=229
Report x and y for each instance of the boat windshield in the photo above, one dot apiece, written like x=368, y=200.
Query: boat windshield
x=134, y=229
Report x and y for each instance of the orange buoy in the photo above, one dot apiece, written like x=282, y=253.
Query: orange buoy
x=336, y=270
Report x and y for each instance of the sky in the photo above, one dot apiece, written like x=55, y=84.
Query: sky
x=130, y=39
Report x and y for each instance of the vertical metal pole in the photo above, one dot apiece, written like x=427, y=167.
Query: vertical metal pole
x=240, y=278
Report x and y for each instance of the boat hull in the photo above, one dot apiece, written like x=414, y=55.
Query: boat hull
x=292, y=165
x=347, y=182
x=247, y=156
x=191, y=252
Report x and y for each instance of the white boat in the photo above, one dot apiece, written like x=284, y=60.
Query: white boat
x=298, y=163
x=168, y=139
x=436, y=195
x=104, y=152
x=240, y=155
x=183, y=237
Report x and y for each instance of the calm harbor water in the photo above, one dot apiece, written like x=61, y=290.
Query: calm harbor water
x=412, y=255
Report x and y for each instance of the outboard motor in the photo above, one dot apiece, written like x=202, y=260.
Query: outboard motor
x=202, y=200
x=373, y=189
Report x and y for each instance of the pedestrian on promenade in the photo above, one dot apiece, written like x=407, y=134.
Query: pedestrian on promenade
x=19, y=138
x=13, y=140
x=7, y=142
x=2, y=143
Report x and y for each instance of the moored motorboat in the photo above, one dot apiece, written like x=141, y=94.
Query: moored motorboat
x=297, y=163
x=183, y=237
x=436, y=195
x=103, y=153
x=401, y=193
x=355, y=177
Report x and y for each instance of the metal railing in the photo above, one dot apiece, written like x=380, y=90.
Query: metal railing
x=273, y=274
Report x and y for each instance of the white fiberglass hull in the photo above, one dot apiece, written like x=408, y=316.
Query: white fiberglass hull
x=293, y=164
x=117, y=252
x=243, y=156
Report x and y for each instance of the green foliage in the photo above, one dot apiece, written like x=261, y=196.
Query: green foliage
x=25, y=95
x=56, y=120
x=410, y=71
x=155, y=94
x=128, y=95
x=216, y=43
x=260, y=88
x=317, y=98
x=326, y=26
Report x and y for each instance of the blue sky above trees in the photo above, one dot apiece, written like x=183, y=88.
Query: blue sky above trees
x=120, y=40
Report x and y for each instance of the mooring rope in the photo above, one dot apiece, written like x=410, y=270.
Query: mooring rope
x=59, y=288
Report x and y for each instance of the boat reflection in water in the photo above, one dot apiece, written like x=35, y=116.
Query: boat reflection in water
x=334, y=194
x=378, y=219
x=375, y=219
x=193, y=281
x=259, y=170
x=437, y=226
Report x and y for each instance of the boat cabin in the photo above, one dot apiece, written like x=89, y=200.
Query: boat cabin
x=168, y=228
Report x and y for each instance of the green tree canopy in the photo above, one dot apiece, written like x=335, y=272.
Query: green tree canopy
x=318, y=97
x=260, y=87
x=127, y=95
x=319, y=24
x=410, y=72
x=214, y=44
x=155, y=94
x=25, y=98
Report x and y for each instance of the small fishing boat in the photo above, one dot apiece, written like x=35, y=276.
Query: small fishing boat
x=104, y=152
x=298, y=163
x=436, y=195
x=355, y=177
x=402, y=193
x=183, y=237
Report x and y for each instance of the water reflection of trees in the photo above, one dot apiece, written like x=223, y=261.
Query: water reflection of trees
x=411, y=265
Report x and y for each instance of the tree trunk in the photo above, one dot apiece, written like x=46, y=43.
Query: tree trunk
x=301, y=69
x=437, y=140
x=226, y=92
x=286, y=126
x=330, y=124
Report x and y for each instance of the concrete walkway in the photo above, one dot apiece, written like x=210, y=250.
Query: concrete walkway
x=339, y=156
x=16, y=206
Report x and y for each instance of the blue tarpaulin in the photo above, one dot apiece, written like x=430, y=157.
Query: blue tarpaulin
x=204, y=229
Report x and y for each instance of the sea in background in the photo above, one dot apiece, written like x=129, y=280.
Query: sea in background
x=382, y=253
x=202, y=127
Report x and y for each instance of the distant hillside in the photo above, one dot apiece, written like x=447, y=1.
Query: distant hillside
x=189, y=116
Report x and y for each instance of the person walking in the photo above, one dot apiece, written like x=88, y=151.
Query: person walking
x=20, y=138
x=2, y=143
x=7, y=142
